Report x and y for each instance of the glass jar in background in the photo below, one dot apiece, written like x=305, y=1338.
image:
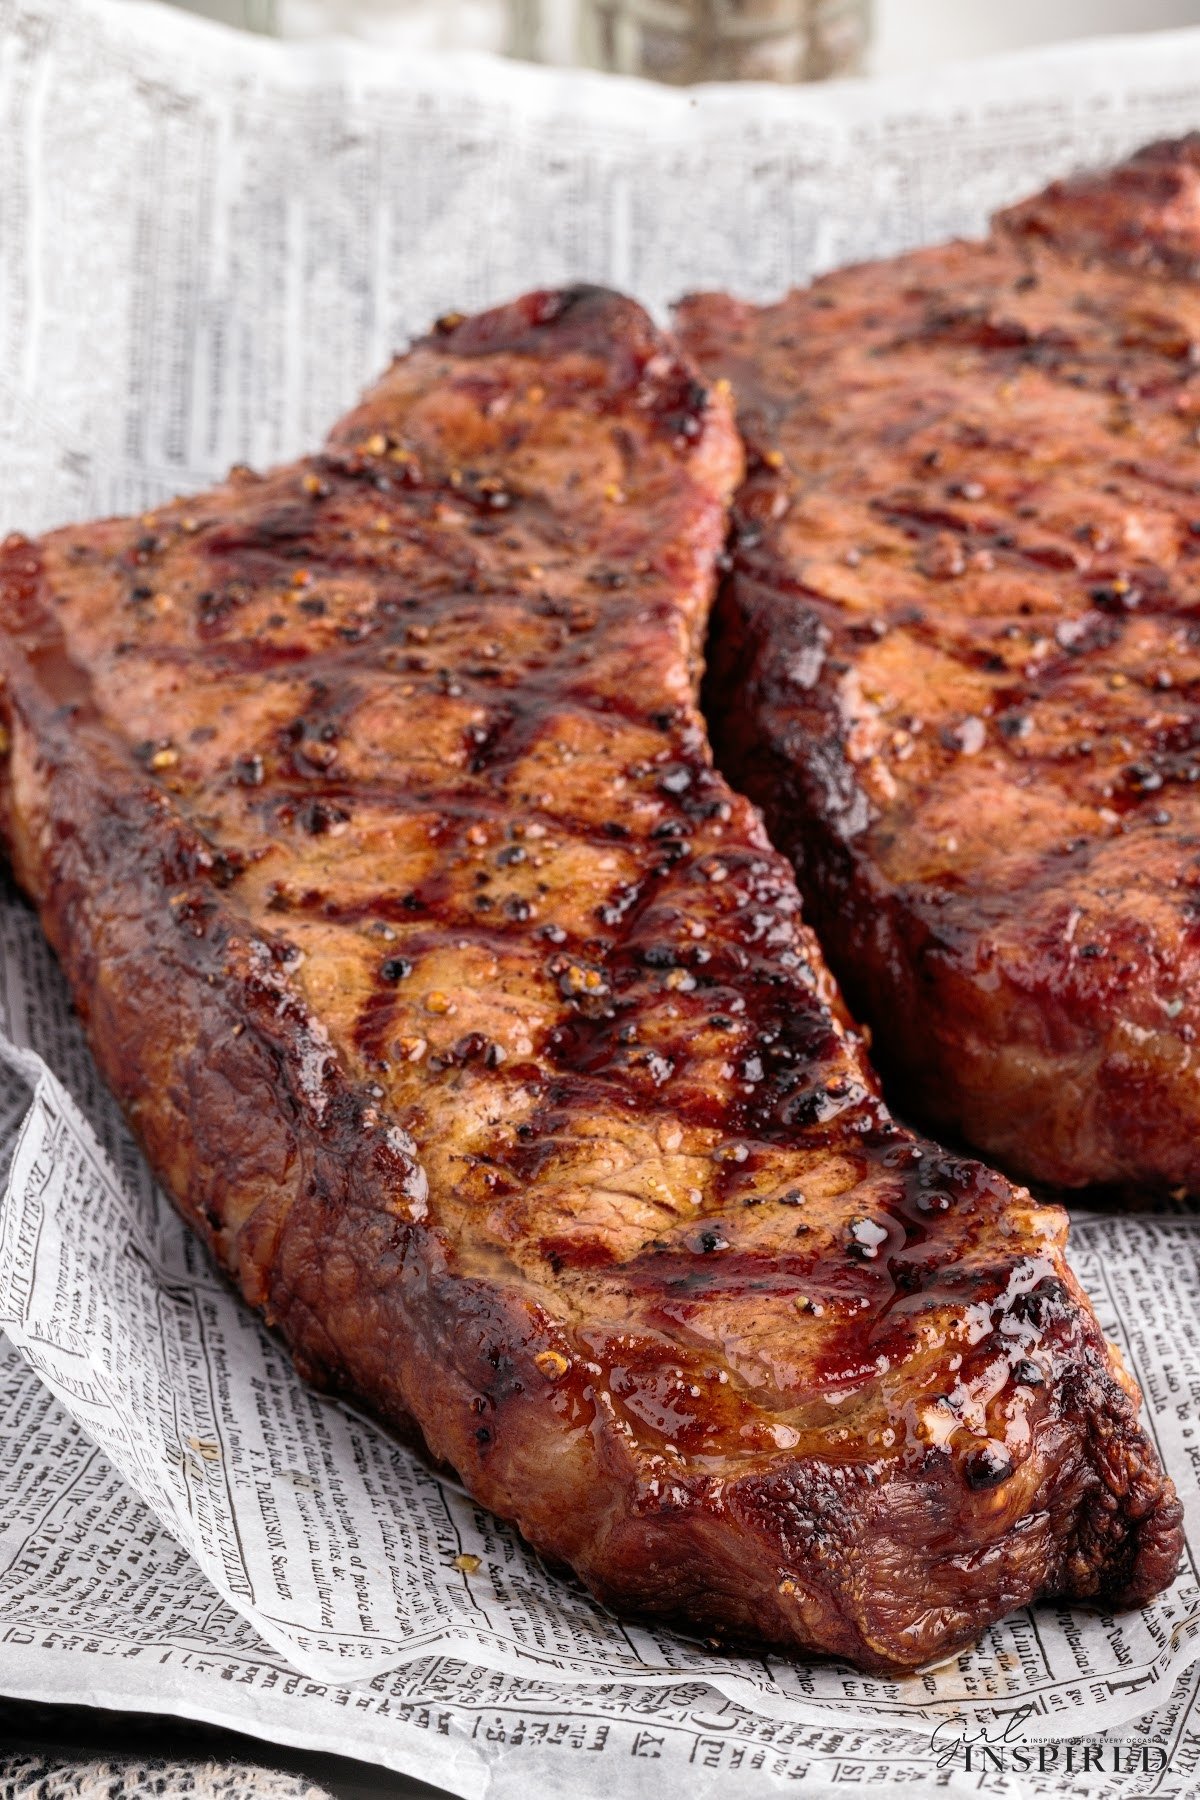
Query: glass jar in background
x=683, y=41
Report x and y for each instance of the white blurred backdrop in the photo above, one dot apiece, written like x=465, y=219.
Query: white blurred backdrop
x=916, y=34
x=908, y=34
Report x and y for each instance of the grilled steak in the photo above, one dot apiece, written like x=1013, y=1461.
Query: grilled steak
x=958, y=660
x=468, y=1015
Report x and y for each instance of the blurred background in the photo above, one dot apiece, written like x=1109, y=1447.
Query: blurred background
x=712, y=39
x=913, y=34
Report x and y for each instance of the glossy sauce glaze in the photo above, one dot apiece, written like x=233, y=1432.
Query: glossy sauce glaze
x=469, y=1013
x=957, y=661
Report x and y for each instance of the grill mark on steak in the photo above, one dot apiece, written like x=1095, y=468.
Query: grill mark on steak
x=591, y=1185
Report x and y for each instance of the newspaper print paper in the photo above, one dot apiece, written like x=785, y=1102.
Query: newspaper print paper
x=254, y=1534
x=207, y=245
x=97, y=1600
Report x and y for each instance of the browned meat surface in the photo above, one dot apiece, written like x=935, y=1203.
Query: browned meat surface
x=958, y=661
x=469, y=1016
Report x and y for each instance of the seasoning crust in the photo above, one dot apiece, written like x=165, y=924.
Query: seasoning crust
x=468, y=1014
x=957, y=661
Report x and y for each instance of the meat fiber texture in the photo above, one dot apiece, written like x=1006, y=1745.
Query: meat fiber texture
x=957, y=661
x=468, y=1014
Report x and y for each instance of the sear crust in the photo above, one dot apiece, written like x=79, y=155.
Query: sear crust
x=958, y=661
x=468, y=1015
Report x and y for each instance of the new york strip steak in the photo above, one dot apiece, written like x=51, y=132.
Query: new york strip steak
x=957, y=661
x=468, y=1014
